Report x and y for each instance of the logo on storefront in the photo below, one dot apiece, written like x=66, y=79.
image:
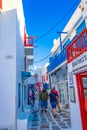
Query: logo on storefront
x=80, y=62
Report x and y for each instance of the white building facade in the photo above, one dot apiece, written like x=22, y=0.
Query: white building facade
x=77, y=75
x=70, y=66
x=11, y=61
x=44, y=74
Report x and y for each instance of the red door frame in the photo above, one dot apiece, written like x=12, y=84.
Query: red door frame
x=80, y=89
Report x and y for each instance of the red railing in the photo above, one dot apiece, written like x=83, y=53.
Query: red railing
x=0, y=4
x=77, y=46
x=28, y=40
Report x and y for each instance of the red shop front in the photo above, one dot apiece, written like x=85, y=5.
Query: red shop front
x=77, y=75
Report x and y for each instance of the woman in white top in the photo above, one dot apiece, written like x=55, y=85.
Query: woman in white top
x=36, y=104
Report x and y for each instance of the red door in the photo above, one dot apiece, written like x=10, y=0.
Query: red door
x=82, y=92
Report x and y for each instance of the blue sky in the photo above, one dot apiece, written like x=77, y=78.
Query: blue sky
x=44, y=18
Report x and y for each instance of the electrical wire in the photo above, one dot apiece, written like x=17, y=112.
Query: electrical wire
x=59, y=21
x=43, y=58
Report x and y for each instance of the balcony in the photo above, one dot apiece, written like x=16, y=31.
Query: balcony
x=28, y=46
x=77, y=46
x=28, y=49
x=29, y=60
x=57, y=61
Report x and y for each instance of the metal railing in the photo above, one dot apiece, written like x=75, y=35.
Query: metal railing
x=77, y=46
x=57, y=61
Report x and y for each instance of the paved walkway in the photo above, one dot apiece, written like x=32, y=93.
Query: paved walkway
x=46, y=121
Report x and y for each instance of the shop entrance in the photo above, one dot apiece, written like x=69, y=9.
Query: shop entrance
x=82, y=93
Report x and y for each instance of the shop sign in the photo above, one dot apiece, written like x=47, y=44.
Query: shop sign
x=80, y=62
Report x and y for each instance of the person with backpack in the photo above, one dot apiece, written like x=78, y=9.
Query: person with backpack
x=58, y=102
x=53, y=101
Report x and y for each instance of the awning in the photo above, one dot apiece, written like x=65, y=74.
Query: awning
x=25, y=75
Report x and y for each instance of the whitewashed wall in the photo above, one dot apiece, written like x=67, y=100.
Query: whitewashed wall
x=8, y=69
x=44, y=71
x=19, y=53
x=11, y=60
x=74, y=107
x=8, y=4
x=15, y=4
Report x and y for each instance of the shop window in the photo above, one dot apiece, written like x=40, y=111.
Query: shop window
x=72, y=94
x=85, y=82
x=85, y=93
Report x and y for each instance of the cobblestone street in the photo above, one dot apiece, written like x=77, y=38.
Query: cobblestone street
x=46, y=121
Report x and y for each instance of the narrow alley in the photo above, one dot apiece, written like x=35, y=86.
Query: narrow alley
x=46, y=121
x=43, y=65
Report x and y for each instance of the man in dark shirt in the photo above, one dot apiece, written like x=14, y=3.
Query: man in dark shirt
x=53, y=101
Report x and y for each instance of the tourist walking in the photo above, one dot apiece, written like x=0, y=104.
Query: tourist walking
x=33, y=97
x=43, y=99
x=53, y=101
x=29, y=96
x=36, y=104
x=57, y=100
